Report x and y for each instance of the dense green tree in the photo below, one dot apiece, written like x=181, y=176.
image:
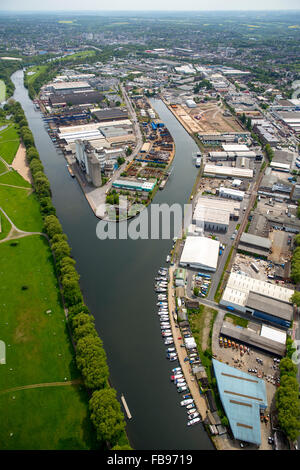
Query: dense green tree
x=106, y=415
x=52, y=225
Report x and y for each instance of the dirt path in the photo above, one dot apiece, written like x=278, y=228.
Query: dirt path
x=20, y=164
x=43, y=385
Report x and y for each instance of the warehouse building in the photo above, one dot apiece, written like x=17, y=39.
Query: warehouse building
x=231, y=193
x=200, y=253
x=215, y=214
x=114, y=114
x=227, y=172
x=255, y=245
x=269, y=340
x=242, y=397
x=77, y=98
x=61, y=88
x=266, y=302
x=135, y=185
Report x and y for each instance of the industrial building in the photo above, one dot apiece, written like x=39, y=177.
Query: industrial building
x=260, y=300
x=95, y=162
x=135, y=184
x=95, y=131
x=231, y=193
x=254, y=244
x=77, y=98
x=114, y=114
x=61, y=88
x=269, y=340
x=214, y=214
x=242, y=397
x=227, y=172
x=200, y=253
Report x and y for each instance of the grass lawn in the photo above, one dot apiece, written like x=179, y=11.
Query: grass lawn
x=46, y=418
x=3, y=167
x=14, y=178
x=38, y=345
x=37, y=69
x=9, y=143
x=239, y=321
x=2, y=91
x=5, y=226
x=22, y=207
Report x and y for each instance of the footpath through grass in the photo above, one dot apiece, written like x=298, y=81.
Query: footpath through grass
x=22, y=208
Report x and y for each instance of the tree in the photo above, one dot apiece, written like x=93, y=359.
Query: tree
x=31, y=153
x=91, y=361
x=52, y=225
x=295, y=299
x=287, y=367
x=106, y=415
x=196, y=291
x=47, y=207
x=61, y=249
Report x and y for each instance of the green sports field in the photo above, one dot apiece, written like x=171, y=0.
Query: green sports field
x=2, y=91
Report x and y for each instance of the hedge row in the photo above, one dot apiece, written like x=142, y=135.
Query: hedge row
x=91, y=358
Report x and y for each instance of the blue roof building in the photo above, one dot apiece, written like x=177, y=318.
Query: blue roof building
x=242, y=396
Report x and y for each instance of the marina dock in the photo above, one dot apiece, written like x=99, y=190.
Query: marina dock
x=126, y=407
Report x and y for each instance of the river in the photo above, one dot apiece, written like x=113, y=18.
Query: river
x=117, y=283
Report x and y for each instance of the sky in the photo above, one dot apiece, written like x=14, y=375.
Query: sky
x=75, y=5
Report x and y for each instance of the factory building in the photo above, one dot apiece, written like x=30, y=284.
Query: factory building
x=263, y=301
x=61, y=88
x=134, y=184
x=215, y=171
x=254, y=244
x=243, y=397
x=231, y=193
x=200, y=253
x=214, y=213
x=269, y=340
x=76, y=98
x=114, y=114
x=95, y=162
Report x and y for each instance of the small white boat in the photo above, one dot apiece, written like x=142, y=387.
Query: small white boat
x=193, y=421
x=168, y=259
x=176, y=369
x=169, y=350
x=191, y=411
x=187, y=401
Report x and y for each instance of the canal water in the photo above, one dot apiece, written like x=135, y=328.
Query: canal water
x=117, y=283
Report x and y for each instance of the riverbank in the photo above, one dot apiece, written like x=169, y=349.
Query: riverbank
x=115, y=279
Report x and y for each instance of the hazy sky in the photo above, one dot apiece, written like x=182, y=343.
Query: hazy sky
x=186, y=5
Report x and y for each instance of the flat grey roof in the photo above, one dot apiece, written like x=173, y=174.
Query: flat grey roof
x=243, y=335
x=269, y=305
x=260, y=242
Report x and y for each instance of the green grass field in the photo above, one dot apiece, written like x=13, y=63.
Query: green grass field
x=9, y=143
x=22, y=207
x=3, y=167
x=5, y=226
x=46, y=419
x=37, y=69
x=38, y=350
x=14, y=178
x=2, y=91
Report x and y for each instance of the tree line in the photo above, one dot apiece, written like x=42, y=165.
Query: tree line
x=105, y=410
x=287, y=396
